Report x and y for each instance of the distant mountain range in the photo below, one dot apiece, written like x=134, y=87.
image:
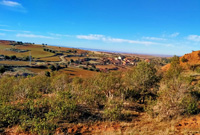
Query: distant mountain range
x=101, y=50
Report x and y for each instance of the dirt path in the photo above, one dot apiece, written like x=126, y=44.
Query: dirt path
x=62, y=58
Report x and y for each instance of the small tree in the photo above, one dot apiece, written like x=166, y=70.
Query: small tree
x=175, y=68
x=47, y=73
x=93, y=66
x=175, y=96
x=71, y=60
x=66, y=66
x=57, y=67
x=184, y=59
x=6, y=57
x=13, y=57
x=52, y=67
x=143, y=80
x=2, y=69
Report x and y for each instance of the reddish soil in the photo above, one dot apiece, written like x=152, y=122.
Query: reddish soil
x=4, y=42
x=96, y=128
x=166, y=67
x=190, y=125
x=191, y=59
x=141, y=125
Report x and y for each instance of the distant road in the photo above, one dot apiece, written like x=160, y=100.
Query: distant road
x=63, y=60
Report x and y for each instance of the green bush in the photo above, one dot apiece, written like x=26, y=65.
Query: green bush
x=198, y=69
x=13, y=57
x=35, y=117
x=7, y=88
x=143, y=80
x=190, y=104
x=52, y=67
x=38, y=126
x=113, y=111
x=9, y=115
x=2, y=69
x=47, y=73
x=60, y=82
x=184, y=59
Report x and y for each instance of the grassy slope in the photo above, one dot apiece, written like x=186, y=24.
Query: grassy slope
x=36, y=51
x=77, y=72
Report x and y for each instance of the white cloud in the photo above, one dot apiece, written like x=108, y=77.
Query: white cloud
x=10, y=3
x=8, y=30
x=174, y=34
x=34, y=36
x=2, y=34
x=118, y=40
x=194, y=38
x=59, y=35
x=90, y=37
x=113, y=40
x=154, y=38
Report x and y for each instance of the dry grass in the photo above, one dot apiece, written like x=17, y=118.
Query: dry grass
x=21, y=63
x=145, y=125
x=65, y=49
x=52, y=59
x=36, y=51
x=77, y=72
x=74, y=58
x=37, y=70
x=105, y=66
x=73, y=72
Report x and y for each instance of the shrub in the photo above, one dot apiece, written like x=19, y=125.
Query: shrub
x=184, y=59
x=47, y=73
x=60, y=82
x=42, y=83
x=52, y=67
x=27, y=88
x=57, y=66
x=193, y=67
x=7, y=88
x=13, y=57
x=65, y=109
x=93, y=66
x=113, y=110
x=26, y=58
x=9, y=115
x=190, y=104
x=174, y=97
x=143, y=80
x=34, y=117
x=6, y=57
x=198, y=69
x=2, y=69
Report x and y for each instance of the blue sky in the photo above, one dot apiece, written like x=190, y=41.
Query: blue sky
x=134, y=26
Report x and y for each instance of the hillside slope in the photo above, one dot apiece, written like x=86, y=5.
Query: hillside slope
x=190, y=59
x=187, y=60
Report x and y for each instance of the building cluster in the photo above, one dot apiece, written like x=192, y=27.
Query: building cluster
x=120, y=60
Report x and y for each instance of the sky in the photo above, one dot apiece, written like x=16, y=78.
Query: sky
x=167, y=27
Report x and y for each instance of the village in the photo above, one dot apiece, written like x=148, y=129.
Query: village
x=19, y=54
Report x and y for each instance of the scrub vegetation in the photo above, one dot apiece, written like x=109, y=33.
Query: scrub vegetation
x=40, y=104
